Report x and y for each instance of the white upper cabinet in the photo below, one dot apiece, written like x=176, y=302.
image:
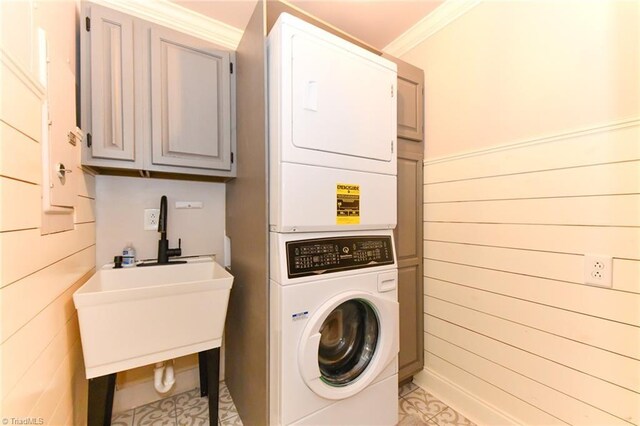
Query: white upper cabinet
x=153, y=98
x=112, y=117
x=191, y=111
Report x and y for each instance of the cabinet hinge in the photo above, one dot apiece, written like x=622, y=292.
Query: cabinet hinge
x=87, y=23
x=392, y=147
x=231, y=67
x=232, y=158
x=392, y=90
x=89, y=140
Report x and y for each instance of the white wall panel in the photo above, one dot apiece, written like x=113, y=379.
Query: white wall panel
x=20, y=156
x=604, y=144
x=20, y=205
x=619, y=338
x=42, y=370
x=612, y=179
x=43, y=250
x=542, y=264
x=596, y=362
x=450, y=376
x=533, y=161
x=622, y=403
x=617, y=242
x=611, y=210
x=566, y=408
x=591, y=300
x=23, y=299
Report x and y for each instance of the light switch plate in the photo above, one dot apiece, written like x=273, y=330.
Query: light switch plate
x=598, y=270
x=188, y=204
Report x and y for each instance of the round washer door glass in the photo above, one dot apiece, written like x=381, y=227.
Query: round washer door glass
x=349, y=336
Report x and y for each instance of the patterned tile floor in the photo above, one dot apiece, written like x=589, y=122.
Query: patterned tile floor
x=184, y=409
x=415, y=407
x=418, y=407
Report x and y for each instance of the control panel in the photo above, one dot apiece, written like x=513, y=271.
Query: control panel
x=325, y=255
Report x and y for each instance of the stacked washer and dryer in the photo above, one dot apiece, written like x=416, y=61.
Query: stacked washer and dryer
x=333, y=272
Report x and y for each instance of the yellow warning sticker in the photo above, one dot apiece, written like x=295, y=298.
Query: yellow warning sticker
x=347, y=204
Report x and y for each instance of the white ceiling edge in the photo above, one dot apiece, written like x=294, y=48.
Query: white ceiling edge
x=169, y=14
x=442, y=16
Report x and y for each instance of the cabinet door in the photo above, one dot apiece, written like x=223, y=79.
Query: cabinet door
x=410, y=102
x=409, y=252
x=190, y=102
x=409, y=231
x=112, y=114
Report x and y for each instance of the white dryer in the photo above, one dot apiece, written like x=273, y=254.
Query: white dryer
x=332, y=132
x=333, y=329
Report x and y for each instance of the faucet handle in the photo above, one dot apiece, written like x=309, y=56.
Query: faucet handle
x=172, y=252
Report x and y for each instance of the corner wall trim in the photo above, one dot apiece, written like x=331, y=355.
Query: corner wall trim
x=169, y=14
x=461, y=400
x=23, y=74
x=442, y=16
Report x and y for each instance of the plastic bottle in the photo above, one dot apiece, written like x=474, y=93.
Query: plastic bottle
x=128, y=256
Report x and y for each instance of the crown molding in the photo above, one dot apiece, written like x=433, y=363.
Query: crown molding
x=442, y=16
x=171, y=15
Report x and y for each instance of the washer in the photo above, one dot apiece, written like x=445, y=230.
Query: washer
x=333, y=329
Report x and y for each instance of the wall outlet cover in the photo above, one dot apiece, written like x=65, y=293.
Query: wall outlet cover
x=598, y=270
x=151, y=218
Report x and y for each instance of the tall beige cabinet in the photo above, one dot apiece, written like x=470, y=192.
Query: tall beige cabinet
x=409, y=231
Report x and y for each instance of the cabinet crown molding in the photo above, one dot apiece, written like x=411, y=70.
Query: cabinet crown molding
x=171, y=15
x=443, y=15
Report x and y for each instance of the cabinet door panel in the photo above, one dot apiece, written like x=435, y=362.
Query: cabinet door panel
x=409, y=224
x=411, y=338
x=112, y=116
x=409, y=251
x=190, y=101
x=410, y=102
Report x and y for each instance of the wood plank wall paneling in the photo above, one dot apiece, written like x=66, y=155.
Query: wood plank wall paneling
x=20, y=205
x=19, y=155
x=42, y=370
x=507, y=315
x=604, y=145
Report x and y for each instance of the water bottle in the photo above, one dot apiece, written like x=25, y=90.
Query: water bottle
x=128, y=256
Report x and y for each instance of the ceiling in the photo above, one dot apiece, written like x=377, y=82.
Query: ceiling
x=376, y=22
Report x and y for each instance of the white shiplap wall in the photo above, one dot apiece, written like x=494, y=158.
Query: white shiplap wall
x=41, y=367
x=507, y=317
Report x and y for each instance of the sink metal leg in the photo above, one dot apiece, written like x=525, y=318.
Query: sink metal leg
x=101, y=390
x=202, y=366
x=209, y=362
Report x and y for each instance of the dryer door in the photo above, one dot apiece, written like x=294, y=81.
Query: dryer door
x=346, y=345
x=331, y=103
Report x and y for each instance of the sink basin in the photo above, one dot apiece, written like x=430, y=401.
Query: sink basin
x=135, y=316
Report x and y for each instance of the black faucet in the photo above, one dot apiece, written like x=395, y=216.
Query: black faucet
x=164, y=252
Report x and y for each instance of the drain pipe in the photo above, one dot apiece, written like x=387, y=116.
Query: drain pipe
x=163, y=386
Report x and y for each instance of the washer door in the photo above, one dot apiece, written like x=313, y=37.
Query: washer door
x=346, y=345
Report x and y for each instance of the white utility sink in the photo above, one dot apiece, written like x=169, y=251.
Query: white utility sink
x=136, y=316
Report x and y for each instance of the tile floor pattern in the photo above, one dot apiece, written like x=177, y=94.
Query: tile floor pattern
x=415, y=407
x=184, y=409
x=418, y=407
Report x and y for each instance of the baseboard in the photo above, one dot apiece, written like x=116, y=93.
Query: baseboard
x=467, y=404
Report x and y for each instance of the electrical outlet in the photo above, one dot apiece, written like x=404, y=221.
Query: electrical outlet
x=598, y=270
x=151, y=218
